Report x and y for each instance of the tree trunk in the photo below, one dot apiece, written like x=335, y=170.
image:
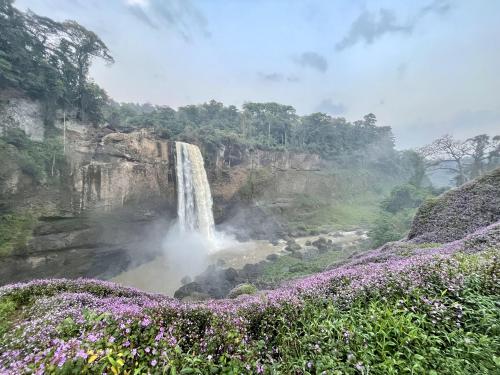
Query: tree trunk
x=64, y=132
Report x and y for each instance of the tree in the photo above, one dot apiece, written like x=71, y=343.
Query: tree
x=79, y=46
x=479, y=154
x=449, y=154
x=49, y=60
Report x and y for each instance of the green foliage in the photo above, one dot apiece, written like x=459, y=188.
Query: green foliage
x=256, y=184
x=403, y=197
x=397, y=211
x=7, y=309
x=391, y=226
x=38, y=160
x=242, y=289
x=15, y=231
x=266, y=126
x=50, y=61
x=288, y=267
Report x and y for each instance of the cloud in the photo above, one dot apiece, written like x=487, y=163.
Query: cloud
x=293, y=78
x=370, y=26
x=141, y=15
x=271, y=77
x=312, y=60
x=402, y=69
x=141, y=3
x=328, y=106
x=437, y=6
x=277, y=77
x=178, y=15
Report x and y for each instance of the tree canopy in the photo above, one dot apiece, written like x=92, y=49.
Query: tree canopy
x=50, y=61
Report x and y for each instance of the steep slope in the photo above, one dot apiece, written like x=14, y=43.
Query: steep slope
x=459, y=211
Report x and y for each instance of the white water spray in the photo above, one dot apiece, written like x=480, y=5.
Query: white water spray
x=194, y=200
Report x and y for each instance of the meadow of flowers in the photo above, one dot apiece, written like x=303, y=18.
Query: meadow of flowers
x=404, y=308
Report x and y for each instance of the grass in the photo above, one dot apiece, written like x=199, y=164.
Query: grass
x=7, y=309
x=287, y=267
x=15, y=231
x=314, y=214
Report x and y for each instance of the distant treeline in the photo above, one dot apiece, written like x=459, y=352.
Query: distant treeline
x=49, y=61
x=265, y=125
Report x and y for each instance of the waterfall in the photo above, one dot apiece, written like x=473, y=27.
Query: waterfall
x=194, y=200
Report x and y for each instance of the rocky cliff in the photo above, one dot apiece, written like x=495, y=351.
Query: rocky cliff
x=111, y=202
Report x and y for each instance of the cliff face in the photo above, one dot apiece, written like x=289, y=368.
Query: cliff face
x=112, y=202
x=21, y=113
x=108, y=206
x=122, y=169
x=459, y=212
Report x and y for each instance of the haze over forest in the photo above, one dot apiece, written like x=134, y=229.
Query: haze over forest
x=425, y=68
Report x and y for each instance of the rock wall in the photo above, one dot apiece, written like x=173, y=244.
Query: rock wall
x=124, y=169
x=107, y=209
x=22, y=113
x=287, y=173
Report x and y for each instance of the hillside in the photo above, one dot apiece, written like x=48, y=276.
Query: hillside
x=459, y=212
x=406, y=307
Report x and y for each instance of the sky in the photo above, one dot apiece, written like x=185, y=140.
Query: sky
x=425, y=68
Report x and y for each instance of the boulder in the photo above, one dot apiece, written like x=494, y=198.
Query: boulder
x=323, y=245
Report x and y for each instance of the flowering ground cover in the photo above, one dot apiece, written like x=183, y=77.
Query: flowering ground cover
x=403, y=308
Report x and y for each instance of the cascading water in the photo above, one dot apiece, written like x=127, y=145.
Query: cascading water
x=194, y=200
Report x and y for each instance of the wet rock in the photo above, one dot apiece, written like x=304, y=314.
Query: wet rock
x=187, y=290
x=323, y=245
x=230, y=274
x=292, y=246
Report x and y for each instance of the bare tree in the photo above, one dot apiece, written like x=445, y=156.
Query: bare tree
x=450, y=154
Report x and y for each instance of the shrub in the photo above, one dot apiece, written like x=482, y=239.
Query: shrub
x=242, y=289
